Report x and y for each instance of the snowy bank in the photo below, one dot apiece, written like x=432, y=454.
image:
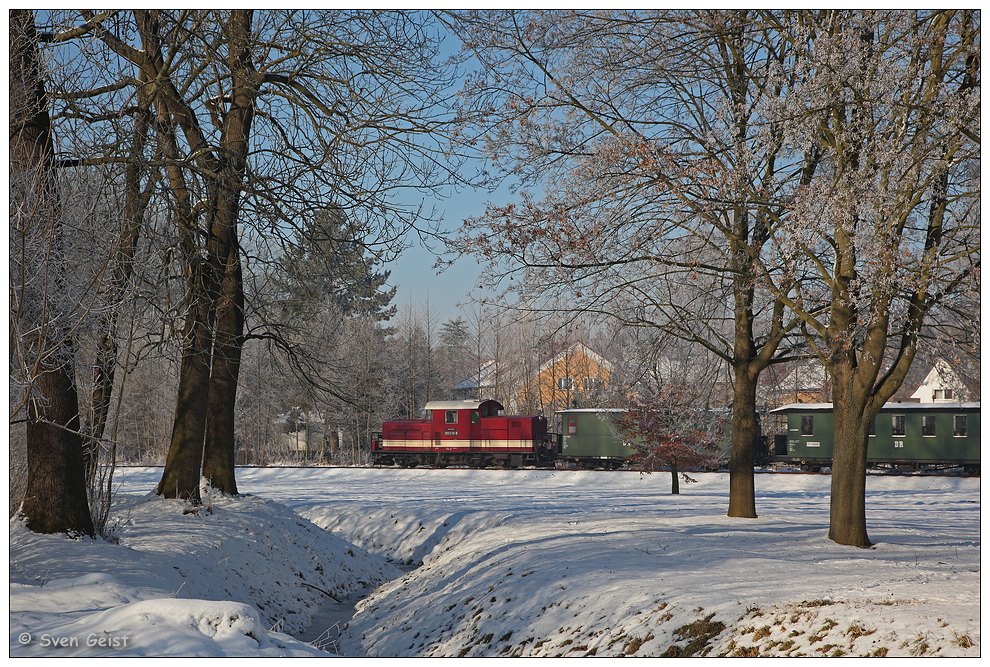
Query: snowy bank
x=521, y=563
x=211, y=582
x=554, y=563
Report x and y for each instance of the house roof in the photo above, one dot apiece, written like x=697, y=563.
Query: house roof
x=484, y=378
x=575, y=347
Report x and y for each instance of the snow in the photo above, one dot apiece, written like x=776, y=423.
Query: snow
x=508, y=563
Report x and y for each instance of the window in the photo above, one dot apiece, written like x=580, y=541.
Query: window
x=571, y=425
x=450, y=416
x=807, y=425
x=897, y=424
x=928, y=425
x=959, y=425
x=565, y=384
x=946, y=394
x=590, y=384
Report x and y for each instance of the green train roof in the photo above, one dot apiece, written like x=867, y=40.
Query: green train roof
x=888, y=407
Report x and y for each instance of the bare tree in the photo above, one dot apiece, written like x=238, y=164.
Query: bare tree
x=889, y=228
x=261, y=121
x=657, y=176
x=672, y=429
x=40, y=324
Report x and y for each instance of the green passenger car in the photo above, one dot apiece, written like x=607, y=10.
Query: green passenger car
x=591, y=438
x=903, y=434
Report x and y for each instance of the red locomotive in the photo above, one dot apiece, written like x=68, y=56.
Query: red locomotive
x=465, y=433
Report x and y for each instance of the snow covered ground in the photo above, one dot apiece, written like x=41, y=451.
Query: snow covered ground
x=508, y=563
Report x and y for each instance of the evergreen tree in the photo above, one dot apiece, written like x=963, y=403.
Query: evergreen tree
x=330, y=263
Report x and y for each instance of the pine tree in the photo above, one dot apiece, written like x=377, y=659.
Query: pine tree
x=330, y=263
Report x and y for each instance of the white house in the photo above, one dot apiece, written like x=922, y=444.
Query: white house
x=941, y=385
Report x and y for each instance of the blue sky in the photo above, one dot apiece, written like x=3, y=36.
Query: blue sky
x=413, y=273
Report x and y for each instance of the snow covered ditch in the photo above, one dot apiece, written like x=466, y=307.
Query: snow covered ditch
x=520, y=563
x=237, y=578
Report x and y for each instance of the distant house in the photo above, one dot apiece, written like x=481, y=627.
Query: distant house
x=794, y=382
x=480, y=386
x=575, y=377
x=302, y=434
x=941, y=385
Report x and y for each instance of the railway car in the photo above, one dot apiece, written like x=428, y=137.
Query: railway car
x=903, y=435
x=471, y=432
x=591, y=438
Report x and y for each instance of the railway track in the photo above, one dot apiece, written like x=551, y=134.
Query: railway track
x=761, y=471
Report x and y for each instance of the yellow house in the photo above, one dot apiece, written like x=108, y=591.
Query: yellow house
x=575, y=377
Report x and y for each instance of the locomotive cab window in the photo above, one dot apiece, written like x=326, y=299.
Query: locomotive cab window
x=959, y=425
x=928, y=425
x=571, y=425
x=475, y=417
x=807, y=425
x=450, y=417
x=897, y=424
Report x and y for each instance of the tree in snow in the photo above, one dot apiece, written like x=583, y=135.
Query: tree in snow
x=887, y=106
x=673, y=429
x=41, y=308
x=653, y=177
x=260, y=119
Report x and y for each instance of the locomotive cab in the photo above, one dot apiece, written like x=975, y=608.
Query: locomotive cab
x=460, y=419
x=472, y=432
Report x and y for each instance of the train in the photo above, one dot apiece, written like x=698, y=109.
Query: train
x=467, y=432
x=475, y=433
x=902, y=436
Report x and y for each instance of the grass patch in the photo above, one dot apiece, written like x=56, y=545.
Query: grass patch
x=634, y=644
x=699, y=634
x=855, y=631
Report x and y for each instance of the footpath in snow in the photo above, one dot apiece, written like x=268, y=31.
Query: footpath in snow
x=511, y=563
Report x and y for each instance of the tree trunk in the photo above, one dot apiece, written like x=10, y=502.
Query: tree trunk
x=675, y=484
x=55, y=496
x=745, y=432
x=847, y=513
x=218, y=449
x=55, y=499
x=219, y=445
x=181, y=476
x=135, y=204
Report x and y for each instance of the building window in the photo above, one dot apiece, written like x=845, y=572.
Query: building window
x=959, y=426
x=450, y=416
x=807, y=425
x=565, y=384
x=590, y=384
x=571, y=425
x=897, y=425
x=928, y=425
x=946, y=394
